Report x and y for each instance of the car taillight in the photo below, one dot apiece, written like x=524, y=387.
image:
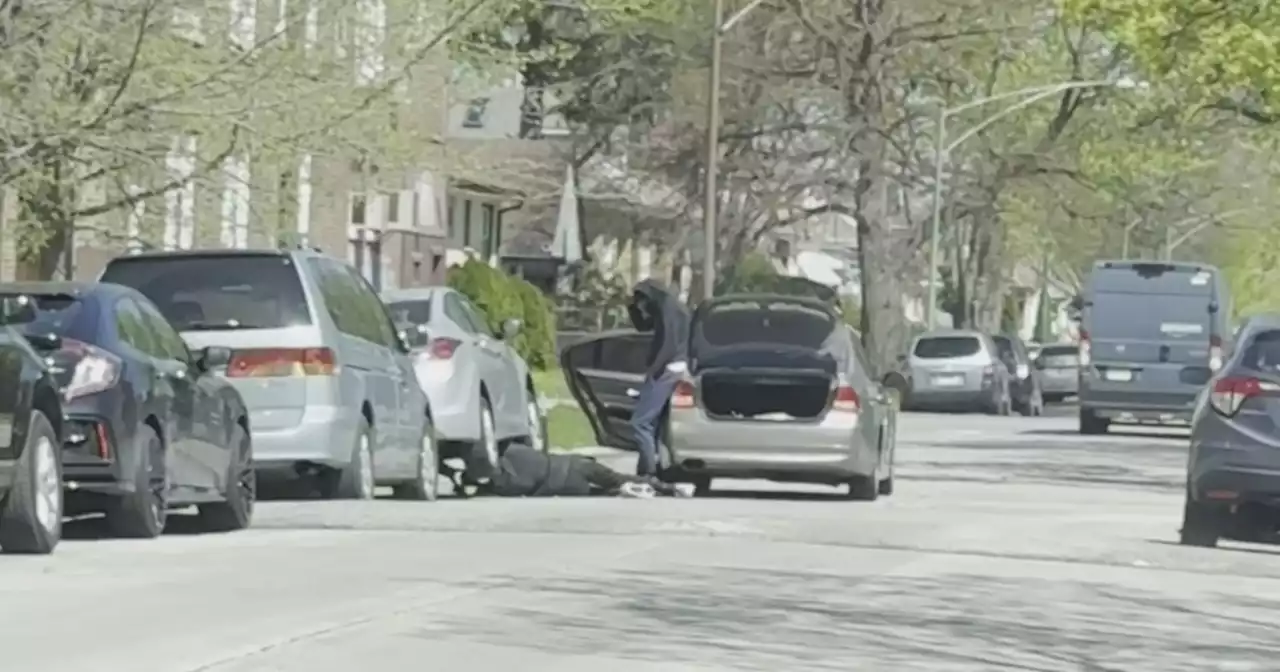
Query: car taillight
x=989, y=370
x=683, y=395
x=1230, y=393
x=846, y=400
x=439, y=348
x=1215, y=353
x=281, y=363
x=1085, y=348
x=93, y=369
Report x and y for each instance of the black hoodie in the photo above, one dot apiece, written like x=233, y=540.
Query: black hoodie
x=653, y=308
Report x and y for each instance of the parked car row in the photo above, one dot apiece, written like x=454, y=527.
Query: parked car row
x=187, y=378
x=969, y=370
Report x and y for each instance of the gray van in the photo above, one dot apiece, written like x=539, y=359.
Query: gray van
x=1152, y=334
x=331, y=391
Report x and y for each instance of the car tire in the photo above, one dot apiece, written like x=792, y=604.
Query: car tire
x=537, y=420
x=1202, y=525
x=425, y=487
x=236, y=511
x=31, y=520
x=863, y=488
x=702, y=486
x=1091, y=424
x=142, y=513
x=885, y=488
x=356, y=480
x=488, y=435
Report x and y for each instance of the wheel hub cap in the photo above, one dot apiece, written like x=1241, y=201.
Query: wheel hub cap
x=490, y=441
x=427, y=468
x=48, y=487
x=535, y=425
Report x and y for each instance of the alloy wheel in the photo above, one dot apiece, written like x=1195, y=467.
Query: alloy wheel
x=48, y=490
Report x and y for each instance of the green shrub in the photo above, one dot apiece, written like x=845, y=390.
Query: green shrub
x=502, y=297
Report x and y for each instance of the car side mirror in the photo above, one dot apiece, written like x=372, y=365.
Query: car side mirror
x=44, y=342
x=510, y=328
x=213, y=357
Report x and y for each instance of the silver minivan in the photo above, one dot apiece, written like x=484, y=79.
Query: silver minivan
x=958, y=369
x=331, y=391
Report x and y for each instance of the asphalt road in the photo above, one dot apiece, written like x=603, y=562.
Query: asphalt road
x=1012, y=544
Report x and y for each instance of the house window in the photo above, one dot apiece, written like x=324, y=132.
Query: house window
x=393, y=207
x=488, y=244
x=358, y=207
x=475, y=113
x=451, y=223
x=466, y=223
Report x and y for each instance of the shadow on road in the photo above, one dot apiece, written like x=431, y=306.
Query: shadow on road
x=777, y=495
x=730, y=618
x=1180, y=435
x=1256, y=548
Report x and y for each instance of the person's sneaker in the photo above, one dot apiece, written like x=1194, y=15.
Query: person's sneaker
x=636, y=490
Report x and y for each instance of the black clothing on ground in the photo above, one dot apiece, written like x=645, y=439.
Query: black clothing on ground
x=525, y=472
x=654, y=308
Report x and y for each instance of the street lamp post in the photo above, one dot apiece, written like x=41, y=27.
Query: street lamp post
x=943, y=149
x=1171, y=243
x=710, y=206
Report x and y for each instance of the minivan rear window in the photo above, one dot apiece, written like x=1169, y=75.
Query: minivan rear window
x=769, y=322
x=1060, y=356
x=223, y=291
x=945, y=347
x=1156, y=317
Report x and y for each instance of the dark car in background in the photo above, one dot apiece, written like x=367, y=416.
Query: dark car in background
x=1233, y=470
x=30, y=470
x=1024, y=378
x=1152, y=334
x=1059, y=367
x=147, y=426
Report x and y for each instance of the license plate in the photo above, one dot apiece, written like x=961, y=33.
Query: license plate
x=948, y=381
x=1118, y=375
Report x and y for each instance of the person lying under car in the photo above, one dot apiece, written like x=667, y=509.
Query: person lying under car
x=525, y=472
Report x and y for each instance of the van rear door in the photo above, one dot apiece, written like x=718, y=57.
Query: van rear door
x=1150, y=328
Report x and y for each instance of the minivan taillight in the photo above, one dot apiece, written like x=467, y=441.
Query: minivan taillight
x=846, y=400
x=1215, y=353
x=1086, y=350
x=281, y=363
x=1230, y=393
x=683, y=395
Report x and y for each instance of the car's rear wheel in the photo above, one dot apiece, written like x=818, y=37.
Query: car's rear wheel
x=537, y=421
x=489, y=434
x=1090, y=423
x=701, y=486
x=1202, y=524
x=141, y=514
x=425, y=487
x=356, y=480
x=863, y=488
x=236, y=511
x=31, y=520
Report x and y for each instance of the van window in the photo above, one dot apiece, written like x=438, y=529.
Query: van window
x=1155, y=317
x=947, y=347
x=217, y=291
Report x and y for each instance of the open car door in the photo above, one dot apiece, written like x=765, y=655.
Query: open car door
x=604, y=374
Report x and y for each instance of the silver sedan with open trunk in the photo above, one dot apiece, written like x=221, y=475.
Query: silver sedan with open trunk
x=778, y=388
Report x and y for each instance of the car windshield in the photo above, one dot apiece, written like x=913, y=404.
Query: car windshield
x=217, y=291
x=36, y=313
x=771, y=322
x=944, y=347
x=1060, y=357
x=410, y=312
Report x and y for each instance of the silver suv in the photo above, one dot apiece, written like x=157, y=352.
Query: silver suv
x=331, y=392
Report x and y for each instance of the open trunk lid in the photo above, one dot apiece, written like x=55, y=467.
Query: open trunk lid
x=767, y=357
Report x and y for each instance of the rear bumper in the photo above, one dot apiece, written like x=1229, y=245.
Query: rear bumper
x=325, y=436
x=1235, y=484
x=950, y=398
x=830, y=451
x=1058, y=386
x=97, y=456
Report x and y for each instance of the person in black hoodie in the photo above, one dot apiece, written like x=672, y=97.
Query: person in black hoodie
x=523, y=471
x=654, y=309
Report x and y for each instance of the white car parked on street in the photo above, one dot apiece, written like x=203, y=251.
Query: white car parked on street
x=479, y=387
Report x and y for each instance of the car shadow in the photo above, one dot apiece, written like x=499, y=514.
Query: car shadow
x=775, y=495
x=1182, y=433
x=94, y=527
x=1271, y=548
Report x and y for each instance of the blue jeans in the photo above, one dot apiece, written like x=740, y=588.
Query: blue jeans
x=654, y=395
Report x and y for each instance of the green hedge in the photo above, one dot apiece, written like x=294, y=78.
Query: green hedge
x=502, y=297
